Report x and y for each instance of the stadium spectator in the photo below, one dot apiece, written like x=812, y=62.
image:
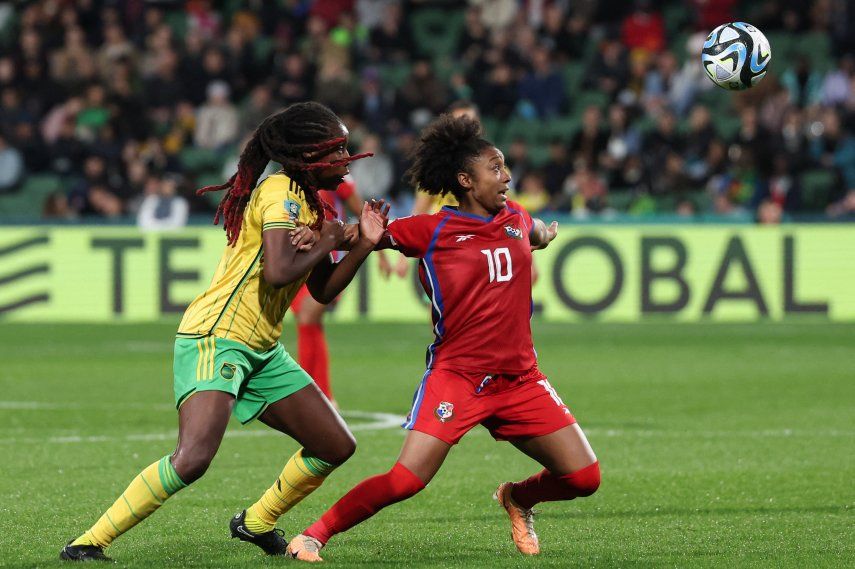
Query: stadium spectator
x=622, y=142
x=370, y=12
x=566, y=37
x=532, y=193
x=11, y=166
x=294, y=79
x=166, y=86
x=803, y=82
x=498, y=95
x=591, y=141
x=555, y=171
x=782, y=187
x=663, y=142
x=390, y=42
x=258, y=106
x=475, y=38
x=115, y=49
x=843, y=209
x=335, y=85
x=373, y=177
x=56, y=208
x=834, y=148
x=769, y=212
x=518, y=160
x=162, y=208
x=217, y=120
x=421, y=92
x=644, y=29
x=496, y=15
x=698, y=139
x=74, y=63
x=837, y=86
x=609, y=69
x=543, y=86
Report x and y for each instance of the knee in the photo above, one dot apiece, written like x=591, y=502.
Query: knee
x=339, y=452
x=585, y=482
x=191, y=464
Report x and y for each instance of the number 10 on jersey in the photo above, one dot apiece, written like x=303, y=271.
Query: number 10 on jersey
x=499, y=264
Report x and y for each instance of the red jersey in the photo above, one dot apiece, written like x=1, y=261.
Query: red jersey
x=336, y=198
x=477, y=272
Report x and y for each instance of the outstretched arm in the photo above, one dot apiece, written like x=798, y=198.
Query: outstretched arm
x=329, y=279
x=541, y=234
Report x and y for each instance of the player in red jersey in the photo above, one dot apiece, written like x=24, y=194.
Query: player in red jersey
x=482, y=367
x=312, y=352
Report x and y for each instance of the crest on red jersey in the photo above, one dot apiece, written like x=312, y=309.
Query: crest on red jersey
x=445, y=411
x=513, y=232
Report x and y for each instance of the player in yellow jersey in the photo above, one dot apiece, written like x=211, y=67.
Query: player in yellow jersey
x=228, y=359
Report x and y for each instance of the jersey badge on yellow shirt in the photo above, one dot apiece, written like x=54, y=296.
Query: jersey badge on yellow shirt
x=293, y=209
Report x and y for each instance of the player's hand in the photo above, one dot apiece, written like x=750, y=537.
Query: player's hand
x=373, y=221
x=402, y=267
x=303, y=238
x=384, y=265
x=351, y=235
x=333, y=230
x=548, y=233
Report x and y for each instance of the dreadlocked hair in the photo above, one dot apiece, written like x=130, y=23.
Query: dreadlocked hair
x=282, y=137
x=447, y=146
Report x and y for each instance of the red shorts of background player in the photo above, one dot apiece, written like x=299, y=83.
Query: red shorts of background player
x=448, y=404
x=297, y=303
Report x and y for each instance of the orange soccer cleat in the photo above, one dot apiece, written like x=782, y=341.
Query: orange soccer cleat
x=522, y=521
x=305, y=548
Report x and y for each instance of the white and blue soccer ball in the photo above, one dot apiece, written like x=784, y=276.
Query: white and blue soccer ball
x=736, y=56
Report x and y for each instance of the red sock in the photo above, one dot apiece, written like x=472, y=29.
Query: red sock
x=364, y=500
x=546, y=487
x=313, y=356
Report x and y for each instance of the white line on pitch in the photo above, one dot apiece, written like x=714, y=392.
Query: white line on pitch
x=376, y=422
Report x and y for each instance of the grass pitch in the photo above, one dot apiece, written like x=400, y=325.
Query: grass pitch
x=720, y=445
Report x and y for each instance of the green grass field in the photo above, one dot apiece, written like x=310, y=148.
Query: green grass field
x=721, y=445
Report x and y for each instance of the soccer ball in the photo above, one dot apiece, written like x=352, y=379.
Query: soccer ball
x=736, y=56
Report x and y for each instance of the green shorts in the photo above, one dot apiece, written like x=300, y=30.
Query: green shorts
x=256, y=379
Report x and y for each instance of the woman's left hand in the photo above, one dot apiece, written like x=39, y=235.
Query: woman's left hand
x=303, y=238
x=372, y=222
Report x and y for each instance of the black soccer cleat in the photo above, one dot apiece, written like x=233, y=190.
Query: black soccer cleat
x=82, y=553
x=272, y=542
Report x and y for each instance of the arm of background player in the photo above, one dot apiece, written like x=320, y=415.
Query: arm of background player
x=285, y=264
x=328, y=280
x=353, y=203
x=351, y=230
x=541, y=234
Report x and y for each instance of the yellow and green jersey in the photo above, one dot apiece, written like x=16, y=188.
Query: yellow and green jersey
x=437, y=202
x=239, y=305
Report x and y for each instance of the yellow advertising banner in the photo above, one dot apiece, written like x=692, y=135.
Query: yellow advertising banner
x=601, y=272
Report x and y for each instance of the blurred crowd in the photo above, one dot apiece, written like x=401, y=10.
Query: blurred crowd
x=600, y=106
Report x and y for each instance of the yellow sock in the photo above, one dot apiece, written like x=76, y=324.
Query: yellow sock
x=300, y=477
x=146, y=493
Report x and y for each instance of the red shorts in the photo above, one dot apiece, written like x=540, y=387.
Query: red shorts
x=297, y=303
x=448, y=404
